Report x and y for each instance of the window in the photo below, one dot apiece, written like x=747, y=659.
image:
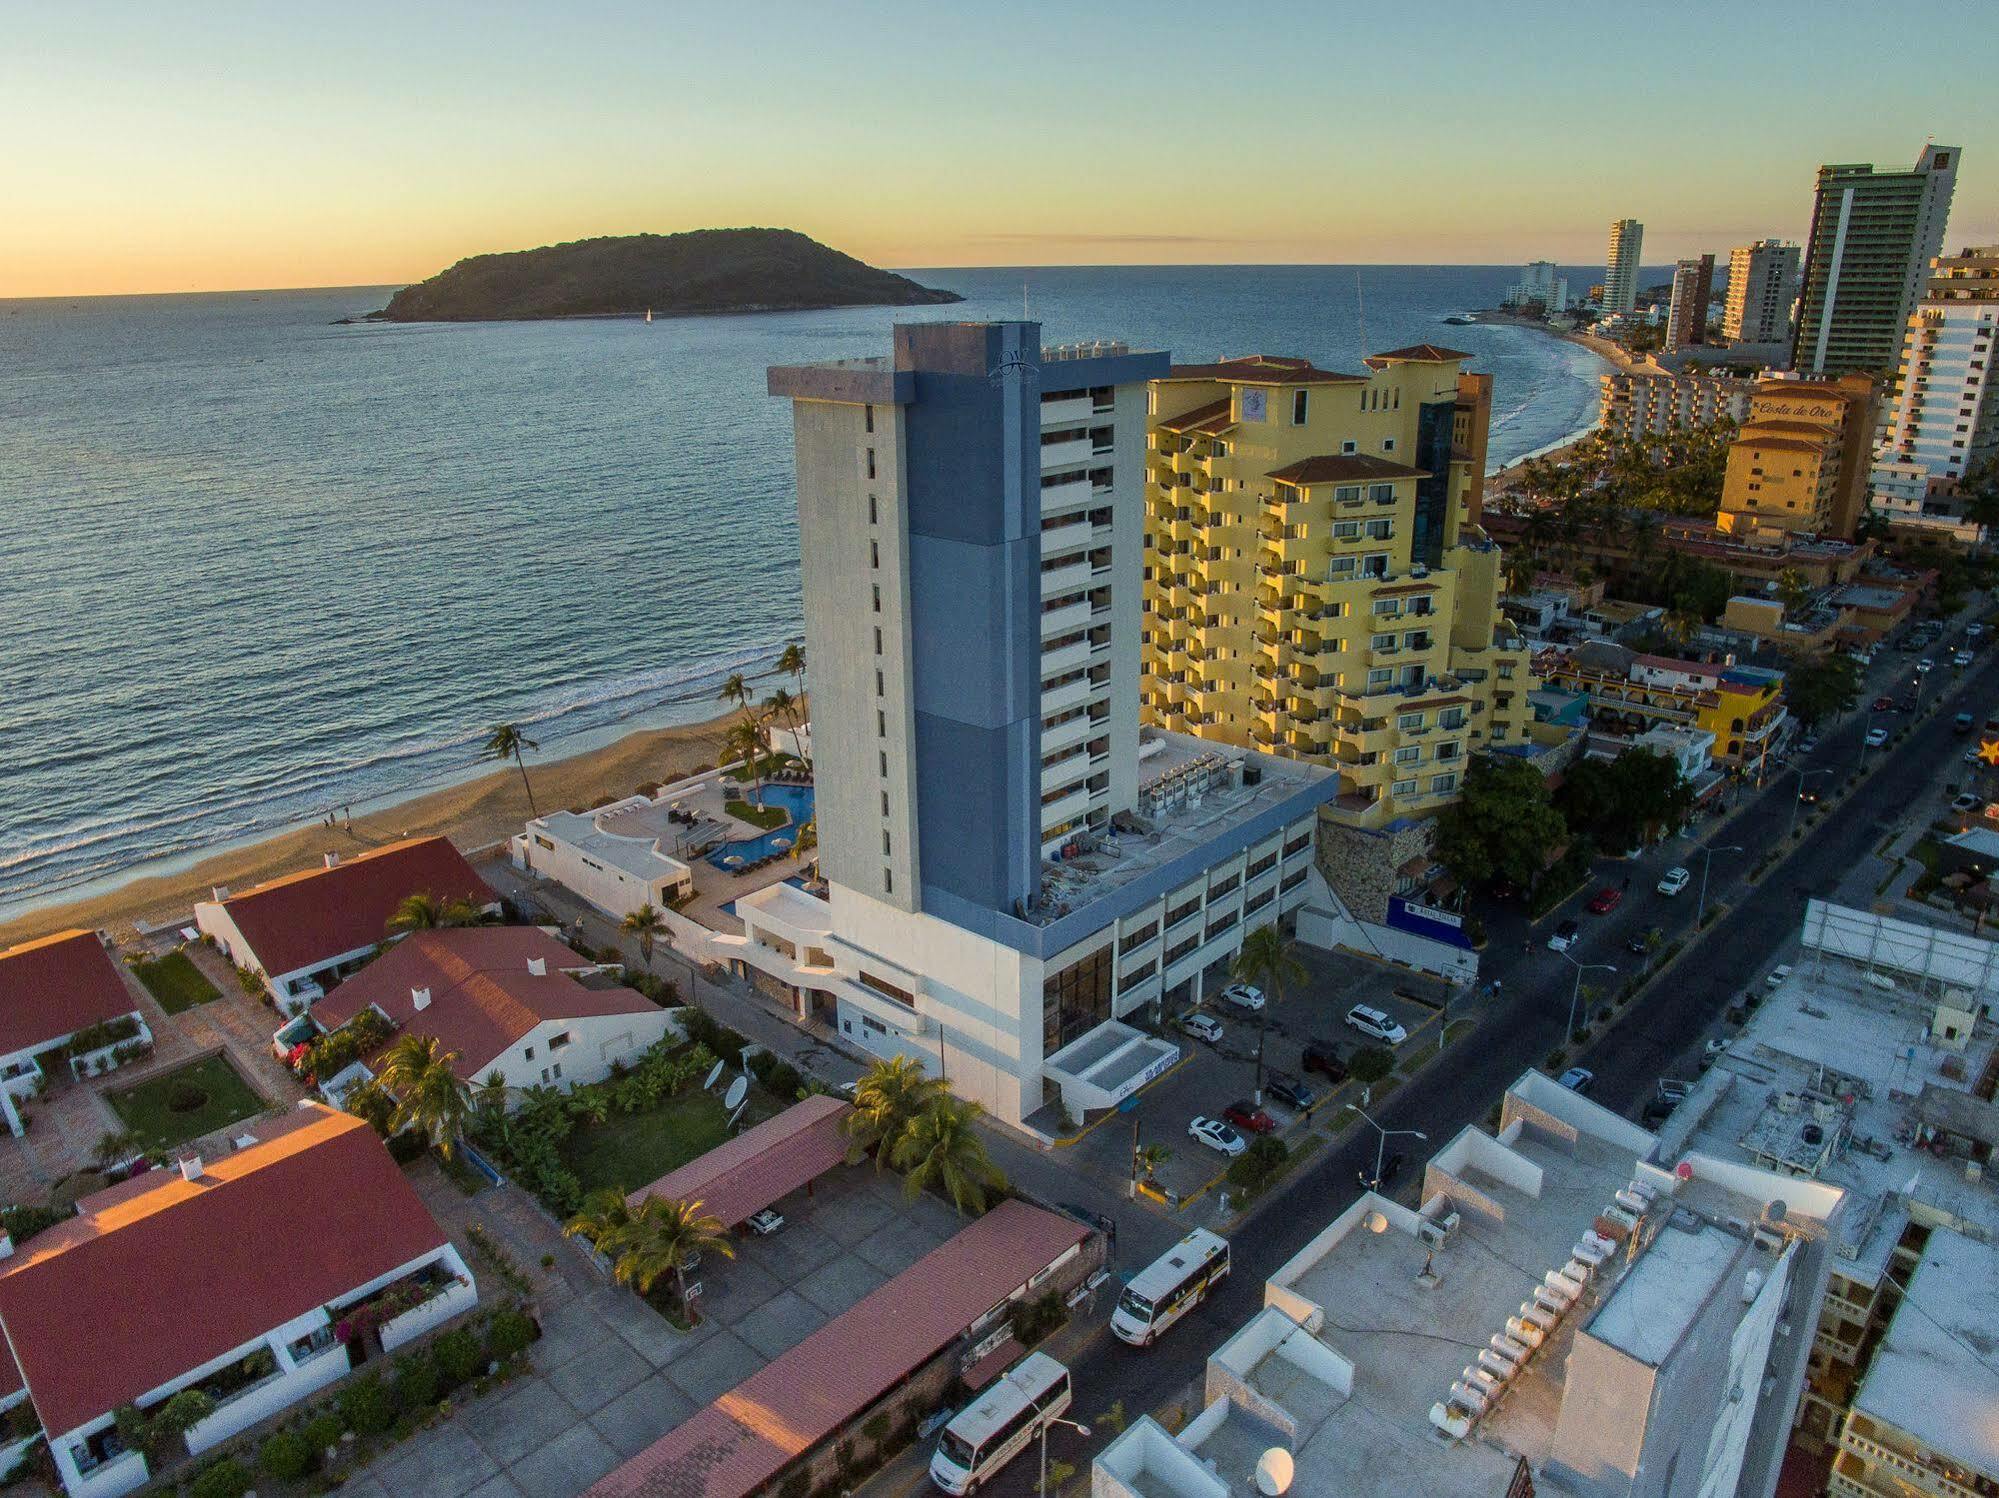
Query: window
x=1403, y=788
x=884, y=762
x=1075, y=1000
x=881, y=724
x=1387, y=605
x=1388, y=444
x=1346, y=530
x=1407, y=721
x=544, y=1076
x=879, y=692
x=557, y=1042
x=1442, y=783
x=887, y=989
x=871, y=462
x=1341, y=567
x=527, y=1054
x=1378, y=530
x=557, y=1069
x=875, y=558
x=868, y=418
x=1347, y=494
x=878, y=639
x=888, y=882
x=1381, y=494
x=1349, y=447
x=1297, y=408
x=873, y=515
x=884, y=803
x=878, y=597
x=887, y=852
x=1380, y=677
x=1412, y=754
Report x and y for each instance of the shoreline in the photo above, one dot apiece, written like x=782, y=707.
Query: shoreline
x=1499, y=480
x=475, y=814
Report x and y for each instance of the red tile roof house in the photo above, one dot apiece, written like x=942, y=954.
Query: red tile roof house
x=510, y=1000
x=305, y=929
x=172, y=1279
x=50, y=990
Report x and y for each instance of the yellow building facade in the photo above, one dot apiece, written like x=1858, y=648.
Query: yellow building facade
x=1800, y=461
x=1318, y=586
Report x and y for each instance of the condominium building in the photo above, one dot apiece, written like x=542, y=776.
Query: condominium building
x=1873, y=235
x=1762, y=284
x=1945, y=416
x=1319, y=589
x=1573, y=1309
x=1800, y=461
x=1867, y=1067
x=1541, y=285
x=1686, y=314
x=1620, y=274
x=1630, y=694
x=1010, y=863
x=1646, y=398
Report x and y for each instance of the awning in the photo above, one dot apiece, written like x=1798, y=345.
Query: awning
x=993, y=1364
x=1107, y=1065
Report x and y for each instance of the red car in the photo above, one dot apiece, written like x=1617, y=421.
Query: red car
x=1251, y=1119
x=1604, y=901
x=1884, y=704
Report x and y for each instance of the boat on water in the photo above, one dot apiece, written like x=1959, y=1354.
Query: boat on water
x=1460, y=320
x=648, y=314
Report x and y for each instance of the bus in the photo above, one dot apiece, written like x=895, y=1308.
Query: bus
x=1169, y=1287
x=990, y=1432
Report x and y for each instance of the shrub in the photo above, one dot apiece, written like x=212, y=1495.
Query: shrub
x=459, y=1356
x=416, y=1382
x=798, y=1485
x=287, y=1455
x=509, y=1335
x=1258, y=1165
x=366, y=1406
x=228, y=1478
x=22, y=1223
x=1371, y=1063
x=323, y=1430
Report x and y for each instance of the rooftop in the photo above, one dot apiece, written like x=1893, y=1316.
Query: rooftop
x=636, y=834
x=171, y=1273
x=305, y=919
x=1932, y=1375
x=1263, y=369
x=56, y=986
x=772, y=1159
x=1824, y=1078
x=1191, y=792
x=1334, y=468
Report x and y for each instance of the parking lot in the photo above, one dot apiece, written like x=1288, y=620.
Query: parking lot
x=611, y=1376
x=1216, y=1075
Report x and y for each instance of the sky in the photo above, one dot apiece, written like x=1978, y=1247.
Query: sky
x=231, y=144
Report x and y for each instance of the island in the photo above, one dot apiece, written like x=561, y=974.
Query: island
x=664, y=275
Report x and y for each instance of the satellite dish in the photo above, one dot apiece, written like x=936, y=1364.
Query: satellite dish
x=1274, y=1471
x=738, y=1090
x=714, y=1072
x=1375, y=1222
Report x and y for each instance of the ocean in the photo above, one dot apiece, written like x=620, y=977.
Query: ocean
x=254, y=565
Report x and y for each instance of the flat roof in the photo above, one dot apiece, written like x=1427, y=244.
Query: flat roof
x=1933, y=1374
x=1653, y=1305
x=739, y=1443
x=768, y=1161
x=634, y=835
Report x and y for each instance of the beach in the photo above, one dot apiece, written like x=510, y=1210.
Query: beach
x=474, y=814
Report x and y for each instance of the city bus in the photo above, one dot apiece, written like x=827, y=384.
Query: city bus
x=991, y=1431
x=1169, y=1287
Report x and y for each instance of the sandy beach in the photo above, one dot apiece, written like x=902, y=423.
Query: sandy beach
x=474, y=814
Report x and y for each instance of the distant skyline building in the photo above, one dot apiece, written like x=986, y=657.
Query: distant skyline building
x=1872, y=238
x=1647, y=398
x=1762, y=284
x=1541, y=283
x=1620, y=275
x=1693, y=289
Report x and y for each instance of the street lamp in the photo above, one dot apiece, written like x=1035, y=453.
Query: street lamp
x=1381, y=1144
x=1707, y=862
x=1081, y=1430
x=1576, y=990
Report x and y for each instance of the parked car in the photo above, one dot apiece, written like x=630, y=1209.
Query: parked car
x=1808, y=743
x=1245, y=996
x=1673, y=1089
x=1578, y=1079
x=766, y=1222
x=1963, y=723
x=1960, y=659
x=1251, y=1119
x=1201, y=1027
x=1876, y=737
x=1323, y=1057
x=1966, y=802
x=1391, y=1167
x=1924, y=666
x=1884, y=704
x=1216, y=1135
x=1563, y=936
x=1291, y=1092
x=1777, y=975
x=1373, y=1022
x=1605, y=900
x=1674, y=881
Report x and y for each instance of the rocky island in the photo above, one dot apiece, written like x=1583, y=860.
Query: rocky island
x=701, y=271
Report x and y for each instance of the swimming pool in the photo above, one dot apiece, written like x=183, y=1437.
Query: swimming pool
x=796, y=799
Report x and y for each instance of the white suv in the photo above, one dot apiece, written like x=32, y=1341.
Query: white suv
x=1674, y=882
x=1373, y=1022
x=1202, y=1027
x=1245, y=996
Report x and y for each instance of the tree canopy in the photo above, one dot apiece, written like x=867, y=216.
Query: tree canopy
x=1820, y=686
x=1621, y=803
x=1504, y=826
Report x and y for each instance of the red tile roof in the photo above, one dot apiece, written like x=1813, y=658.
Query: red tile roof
x=309, y=918
x=1199, y=416
x=1418, y=353
x=482, y=996
x=56, y=986
x=749, y=1435
x=1333, y=468
x=761, y=1164
x=1263, y=369
x=164, y=1274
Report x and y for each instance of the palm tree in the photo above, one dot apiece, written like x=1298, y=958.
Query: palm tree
x=749, y=741
x=489, y=1102
x=662, y=1236
x=421, y=911
x=736, y=690
x=941, y=1146
x=506, y=741
x=792, y=663
x=891, y=1094
x=601, y=1221
x=1265, y=961
x=648, y=925
x=418, y=1072
x=1147, y=1159
x=782, y=707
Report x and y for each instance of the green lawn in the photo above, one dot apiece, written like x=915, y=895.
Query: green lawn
x=182, y=1104
x=175, y=981
x=765, y=817
x=636, y=1149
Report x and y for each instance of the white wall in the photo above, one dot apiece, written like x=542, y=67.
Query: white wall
x=598, y=1041
x=617, y=891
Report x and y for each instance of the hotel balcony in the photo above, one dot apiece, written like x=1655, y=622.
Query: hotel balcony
x=1066, y=578
x=1070, y=454
x=1071, y=410
x=1059, y=497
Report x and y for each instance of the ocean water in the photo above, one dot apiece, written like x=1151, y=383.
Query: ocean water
x=255, y=566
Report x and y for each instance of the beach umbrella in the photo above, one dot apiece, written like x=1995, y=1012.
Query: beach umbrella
x=733, y=859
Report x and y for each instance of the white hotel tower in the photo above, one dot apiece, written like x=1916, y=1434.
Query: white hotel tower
x=1011, y=865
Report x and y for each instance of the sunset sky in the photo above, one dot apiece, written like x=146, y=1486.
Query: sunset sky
x=202, y=145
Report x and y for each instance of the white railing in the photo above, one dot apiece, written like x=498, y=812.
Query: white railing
x=266, y=1397
x=413, y=1323
x=119, y=1475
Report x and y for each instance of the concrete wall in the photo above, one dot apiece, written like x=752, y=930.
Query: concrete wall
x=599, y=1040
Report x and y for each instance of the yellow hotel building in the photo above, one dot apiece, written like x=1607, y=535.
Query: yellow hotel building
x=1318, y=586
x=1800, y=460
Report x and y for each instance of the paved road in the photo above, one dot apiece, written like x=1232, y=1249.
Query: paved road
x=1526, y=1021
